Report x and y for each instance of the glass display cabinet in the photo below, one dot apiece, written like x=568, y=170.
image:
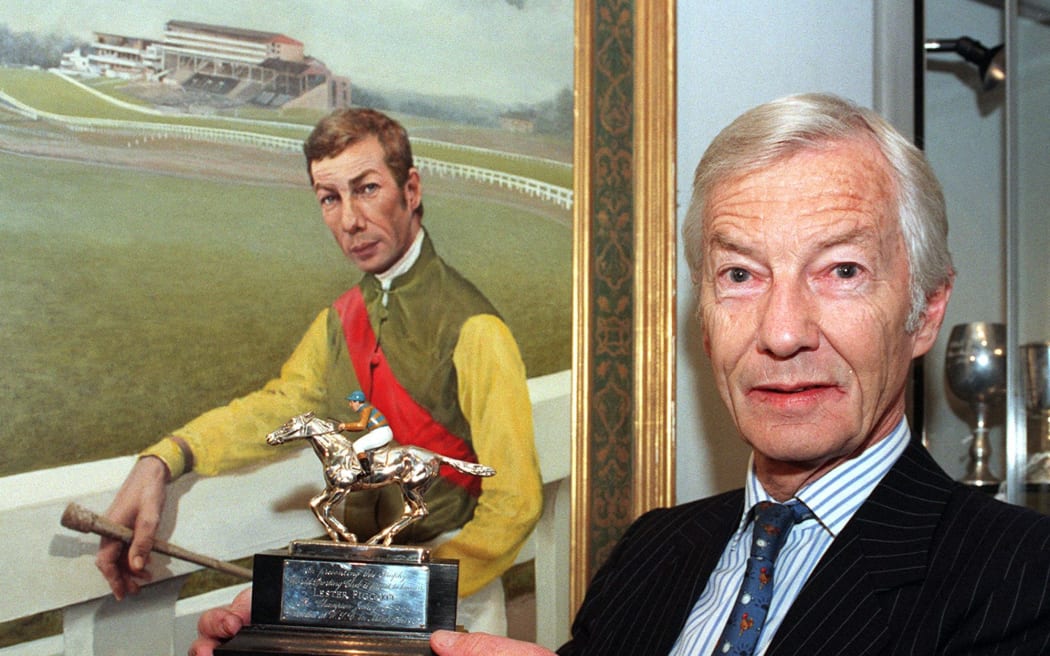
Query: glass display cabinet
x=985, y=126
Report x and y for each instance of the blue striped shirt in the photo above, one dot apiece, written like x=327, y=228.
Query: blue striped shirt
x=833, y=498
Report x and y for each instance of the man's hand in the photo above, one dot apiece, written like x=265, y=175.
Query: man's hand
x=450, y=643
x=220, y=624
x=138, y=505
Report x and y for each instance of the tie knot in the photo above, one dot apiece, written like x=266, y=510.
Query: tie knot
x=773, y=521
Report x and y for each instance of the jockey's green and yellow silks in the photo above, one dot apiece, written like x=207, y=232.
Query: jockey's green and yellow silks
x=455, y=358
x=410, y=422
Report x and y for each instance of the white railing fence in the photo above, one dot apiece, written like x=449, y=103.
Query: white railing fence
x=306, y=128
x=543, y=190
x=152, y=130
x=47, y=567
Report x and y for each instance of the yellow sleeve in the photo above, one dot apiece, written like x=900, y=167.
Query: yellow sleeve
x=494, y=398
x=235, y=435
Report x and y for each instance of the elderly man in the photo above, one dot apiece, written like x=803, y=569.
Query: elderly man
x=425, y=346
x=817, y=240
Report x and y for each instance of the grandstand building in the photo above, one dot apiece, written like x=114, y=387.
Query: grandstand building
x=264, y=67
x=114, y=55
x=233, y=64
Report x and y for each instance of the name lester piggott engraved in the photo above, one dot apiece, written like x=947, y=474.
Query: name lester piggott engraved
x=346, y=594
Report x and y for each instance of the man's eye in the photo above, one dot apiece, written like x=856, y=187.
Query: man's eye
x=847, y=270
x=739, y=275
x=367, y=189
x=328, y=200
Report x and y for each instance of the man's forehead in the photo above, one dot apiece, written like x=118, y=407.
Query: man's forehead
x=739, y=239
x=840, y=193
x=358, y=158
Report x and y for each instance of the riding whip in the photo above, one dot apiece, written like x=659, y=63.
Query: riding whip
x=81, y=519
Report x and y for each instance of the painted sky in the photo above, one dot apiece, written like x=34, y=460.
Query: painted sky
x=515, y=51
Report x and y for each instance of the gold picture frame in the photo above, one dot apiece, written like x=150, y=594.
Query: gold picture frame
x=624, y=267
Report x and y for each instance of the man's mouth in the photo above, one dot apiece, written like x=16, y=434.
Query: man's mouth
x=792, y=389
x=794, y=395
x=362, y=247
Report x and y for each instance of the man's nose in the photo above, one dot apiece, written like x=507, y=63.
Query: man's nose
x=353, y=219
x=790, y=320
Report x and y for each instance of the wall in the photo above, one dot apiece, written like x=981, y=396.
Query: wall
x=731, y=56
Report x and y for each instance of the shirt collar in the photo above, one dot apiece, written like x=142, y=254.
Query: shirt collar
x=404, y=264
x=835, y=497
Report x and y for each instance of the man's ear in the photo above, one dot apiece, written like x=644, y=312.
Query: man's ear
x=932, y=318
x=413, y=189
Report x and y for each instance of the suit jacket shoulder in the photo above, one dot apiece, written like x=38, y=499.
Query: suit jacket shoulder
x=640, y=598
x=927, y=566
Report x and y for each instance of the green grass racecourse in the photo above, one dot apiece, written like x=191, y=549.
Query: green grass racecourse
x=134, y=300
x=49, y=93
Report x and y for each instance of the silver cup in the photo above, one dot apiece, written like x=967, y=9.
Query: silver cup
x=1034, y=358
x=975, y=366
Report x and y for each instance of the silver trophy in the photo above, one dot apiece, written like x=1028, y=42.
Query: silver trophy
x=975, y=366
x=339, y=596
x=1034, y=357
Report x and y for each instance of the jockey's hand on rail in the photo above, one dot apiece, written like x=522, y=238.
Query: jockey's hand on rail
x=450, y=643
x=138, y=505
x=220, y=624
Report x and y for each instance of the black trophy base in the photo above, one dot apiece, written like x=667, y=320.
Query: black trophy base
x=268, y=641
x=327, y=599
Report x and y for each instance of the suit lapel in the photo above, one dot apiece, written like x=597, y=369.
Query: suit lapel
x=639, y=600
x=709, y=525
x=693, y=552
x=850, y=605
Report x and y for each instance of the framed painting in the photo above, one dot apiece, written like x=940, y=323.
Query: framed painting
x=149, y=275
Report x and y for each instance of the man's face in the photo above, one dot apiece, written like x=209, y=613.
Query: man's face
x=804, y=296
x=372, y=218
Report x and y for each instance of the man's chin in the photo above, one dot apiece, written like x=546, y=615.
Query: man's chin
x=371, y=265
x=802, y=444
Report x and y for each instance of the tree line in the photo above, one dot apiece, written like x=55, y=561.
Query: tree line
x=32, y=49
x=553, y=116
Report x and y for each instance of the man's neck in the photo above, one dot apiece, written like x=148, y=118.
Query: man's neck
x=783, y=480
x=405, y=263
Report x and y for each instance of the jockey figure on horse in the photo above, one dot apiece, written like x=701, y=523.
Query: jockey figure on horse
x=377, y=435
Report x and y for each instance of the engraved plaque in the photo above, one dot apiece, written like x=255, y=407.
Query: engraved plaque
x=328, y=599
x=329, y=593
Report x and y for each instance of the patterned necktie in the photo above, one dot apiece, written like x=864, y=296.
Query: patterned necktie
x=773, y=521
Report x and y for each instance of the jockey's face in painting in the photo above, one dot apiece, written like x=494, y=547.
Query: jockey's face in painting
x=373, y=219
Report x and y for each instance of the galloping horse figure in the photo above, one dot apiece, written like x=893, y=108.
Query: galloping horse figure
x=412, y=468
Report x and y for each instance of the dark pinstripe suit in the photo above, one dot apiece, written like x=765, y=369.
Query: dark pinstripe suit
x=926, y=566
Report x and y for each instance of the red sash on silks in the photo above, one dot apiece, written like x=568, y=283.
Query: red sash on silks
x=411, y=423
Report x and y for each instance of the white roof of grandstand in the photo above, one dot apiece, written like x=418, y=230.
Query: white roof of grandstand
x=237, y=32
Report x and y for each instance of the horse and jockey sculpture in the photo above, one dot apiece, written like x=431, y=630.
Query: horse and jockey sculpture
x=411, y=468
